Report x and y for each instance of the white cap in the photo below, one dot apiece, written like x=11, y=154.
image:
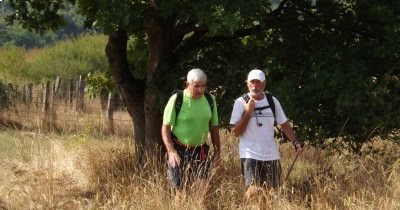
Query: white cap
x=256, y=74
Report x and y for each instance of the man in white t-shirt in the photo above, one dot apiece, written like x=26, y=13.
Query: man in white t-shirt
x=253, y=123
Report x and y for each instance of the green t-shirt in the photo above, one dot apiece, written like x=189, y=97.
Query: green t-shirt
x=193, y=120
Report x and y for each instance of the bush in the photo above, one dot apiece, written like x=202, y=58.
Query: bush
x=69, y=58
x=12, y=63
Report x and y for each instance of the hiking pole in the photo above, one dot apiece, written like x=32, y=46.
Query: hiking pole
x=291, y=167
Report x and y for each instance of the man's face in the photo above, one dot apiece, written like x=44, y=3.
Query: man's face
x=255, y=86
x=196, y=88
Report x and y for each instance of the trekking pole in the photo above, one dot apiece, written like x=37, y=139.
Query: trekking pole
x=291, y=167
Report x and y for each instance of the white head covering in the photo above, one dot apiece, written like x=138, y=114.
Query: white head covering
x=256, y=74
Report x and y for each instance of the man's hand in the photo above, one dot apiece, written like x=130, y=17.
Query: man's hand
x=173, y=158
x=250, y=105
x=216, y=159
x=299, y=147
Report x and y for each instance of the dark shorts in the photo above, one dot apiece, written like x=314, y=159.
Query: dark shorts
x=264, y=173
x=195, y=163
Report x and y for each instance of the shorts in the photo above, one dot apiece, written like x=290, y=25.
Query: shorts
x=262, y=173
x=195, y=163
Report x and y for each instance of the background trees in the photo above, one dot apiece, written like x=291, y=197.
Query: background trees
x=333, y=64
x=19, y=36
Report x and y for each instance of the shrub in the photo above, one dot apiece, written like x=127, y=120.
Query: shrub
x=69, y=58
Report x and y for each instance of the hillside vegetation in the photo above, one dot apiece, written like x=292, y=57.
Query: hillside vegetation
x=67, y=59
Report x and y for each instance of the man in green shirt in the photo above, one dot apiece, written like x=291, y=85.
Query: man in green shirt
x=185, y=136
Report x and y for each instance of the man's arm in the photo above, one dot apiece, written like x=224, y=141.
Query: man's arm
x=214, y=131
x=173, y=157
x=241, y=126
x=216, y=157
x=166, y=136
x=288, y=131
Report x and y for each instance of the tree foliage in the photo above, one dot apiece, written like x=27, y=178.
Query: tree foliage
x=343, y=71
x=334, y=64
x=22, y=37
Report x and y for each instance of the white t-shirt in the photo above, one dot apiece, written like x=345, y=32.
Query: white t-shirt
x=257, y=141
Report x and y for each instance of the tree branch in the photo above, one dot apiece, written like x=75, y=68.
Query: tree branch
x=197, y=40
x=357, y=31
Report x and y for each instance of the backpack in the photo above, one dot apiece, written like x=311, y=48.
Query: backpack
x=179, y=101
x=270, y=100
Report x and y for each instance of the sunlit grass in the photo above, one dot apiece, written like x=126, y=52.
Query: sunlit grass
x=79, y=171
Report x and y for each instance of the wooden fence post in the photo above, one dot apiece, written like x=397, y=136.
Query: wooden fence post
x=56, y=87
x=80, y=94
x=71, y=92
x=54, y=101
x=30, y=94
x=45, y=107
x=24, y=91
x=110, y=112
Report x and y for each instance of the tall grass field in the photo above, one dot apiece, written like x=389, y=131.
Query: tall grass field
x=80, y=171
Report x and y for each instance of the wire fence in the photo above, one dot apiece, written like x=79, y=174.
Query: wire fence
x=63, y=106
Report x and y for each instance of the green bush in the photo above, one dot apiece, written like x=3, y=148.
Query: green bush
x=69, y=58
x=12, y=63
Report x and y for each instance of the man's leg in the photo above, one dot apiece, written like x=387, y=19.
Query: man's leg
x=260, y=176
x=175, y=176
x=249, y=173
x=251, y=191
x=270, y=175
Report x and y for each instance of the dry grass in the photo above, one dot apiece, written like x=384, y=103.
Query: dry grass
x=63, y=118
x=82, y=172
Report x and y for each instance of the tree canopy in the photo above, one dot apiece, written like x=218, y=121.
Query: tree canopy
x=21, y=37
x=333, y=64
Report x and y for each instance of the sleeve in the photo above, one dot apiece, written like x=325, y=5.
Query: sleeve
x=214, y=117
x=169, y=111
x=237, y=111
x=280, y=114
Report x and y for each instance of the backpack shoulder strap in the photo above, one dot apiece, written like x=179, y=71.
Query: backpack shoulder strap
x=210, y=100
x=246, y=97
x=178, y=102
x=271, y=102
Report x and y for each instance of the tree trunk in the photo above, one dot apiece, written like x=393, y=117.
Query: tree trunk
x=131, y=89
x=161, y=63
x=142, y=99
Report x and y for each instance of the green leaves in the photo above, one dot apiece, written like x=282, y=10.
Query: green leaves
x=12, y=64
x=36, y=15
x=99, y=82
